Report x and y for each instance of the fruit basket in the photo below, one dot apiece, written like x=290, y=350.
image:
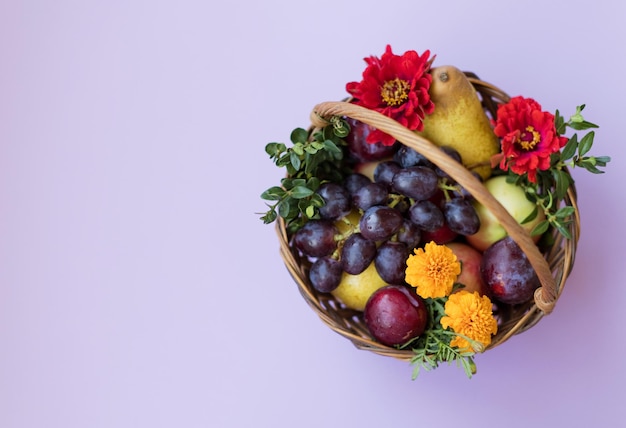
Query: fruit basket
x=417, y=130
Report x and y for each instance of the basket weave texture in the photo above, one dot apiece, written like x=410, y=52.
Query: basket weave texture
x=552, y=265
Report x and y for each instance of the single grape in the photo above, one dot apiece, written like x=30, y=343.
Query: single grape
x=416, y=182
x=406, y=157
x=385, y=171
x=390, y=261
x=357, y=253
x=362, y=151
x=461, y=216
x=426, y=215
x=316, y=238
x=325, y=274
x=461, y=192
x=409, y=234
x=369, y=195
x=337, y=201
x=454, y=154
x=355, y=181
x=380, y=222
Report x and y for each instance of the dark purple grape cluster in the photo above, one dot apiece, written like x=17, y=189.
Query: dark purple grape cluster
x=408, y=202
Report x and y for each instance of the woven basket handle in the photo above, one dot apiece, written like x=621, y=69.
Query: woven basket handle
x=546, y=295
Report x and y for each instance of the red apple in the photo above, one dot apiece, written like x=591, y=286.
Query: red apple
x=470, y=259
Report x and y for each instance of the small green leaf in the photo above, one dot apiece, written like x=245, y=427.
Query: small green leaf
x=273, y=149
x=299, y=135
x=283, y=209
x=561, y=184
x=531, y=216
x=565, y=212
x=298, y=182
x=585, y=143
x=540, y=228
x=602, y=160
x=559, y=123
x=269, y=217
x=309, y=211
x=313, y=183
x=331, y=147
x=570, y=148
x=284, y=160
x=589, y=166
x=300, y=192
x=316, y=200
x=311, y=149
x=298, y=149
x=563, y=230
x=274, y=193
x=295, y=161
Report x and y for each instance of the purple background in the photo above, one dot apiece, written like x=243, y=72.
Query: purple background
x=138, y=288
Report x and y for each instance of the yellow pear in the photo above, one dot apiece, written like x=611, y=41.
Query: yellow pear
x=355, y=290
x=459, y=120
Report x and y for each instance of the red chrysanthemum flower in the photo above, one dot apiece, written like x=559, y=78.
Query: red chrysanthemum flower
x=396, y=86
x=528, y=136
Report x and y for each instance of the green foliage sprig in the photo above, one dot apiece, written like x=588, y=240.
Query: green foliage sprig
x=552, y=184
x=314, y=157
x=432, y=347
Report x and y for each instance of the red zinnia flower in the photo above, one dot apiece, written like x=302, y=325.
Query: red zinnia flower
x=396, y=86
x=528, y=136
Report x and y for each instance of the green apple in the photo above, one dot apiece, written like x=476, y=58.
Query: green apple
x=513, y=199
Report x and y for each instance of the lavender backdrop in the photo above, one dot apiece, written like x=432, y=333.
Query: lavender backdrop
x=138, y=288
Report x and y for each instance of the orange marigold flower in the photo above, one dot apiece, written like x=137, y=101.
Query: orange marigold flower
x=432, y=270
x=470, y=315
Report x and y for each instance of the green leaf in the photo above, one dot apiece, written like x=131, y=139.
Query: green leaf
x=316, y=200
x=562, y=181
x=563, y=230
x=585, y=143
x=540, y=228
x=284, y=160
x=283, y=209
x=309, y=211
x=570, y=148
x=298, y=182
x=565, y=212
x=313, y=183
x=589, y=166
x=300, y=192
x=299, y=135
x=298, y=149
x=583, y=126
x=332, y=147
x=295, y=161
x=274, y=193
x=269, y=217
x=602, y=160
x=271, y=149
x=531, y=216
x=559, y=123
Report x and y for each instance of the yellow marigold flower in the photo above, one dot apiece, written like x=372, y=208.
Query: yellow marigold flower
x=432, y=270
x=469, y=314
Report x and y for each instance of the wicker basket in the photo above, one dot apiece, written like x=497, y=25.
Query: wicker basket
x=553, y=265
